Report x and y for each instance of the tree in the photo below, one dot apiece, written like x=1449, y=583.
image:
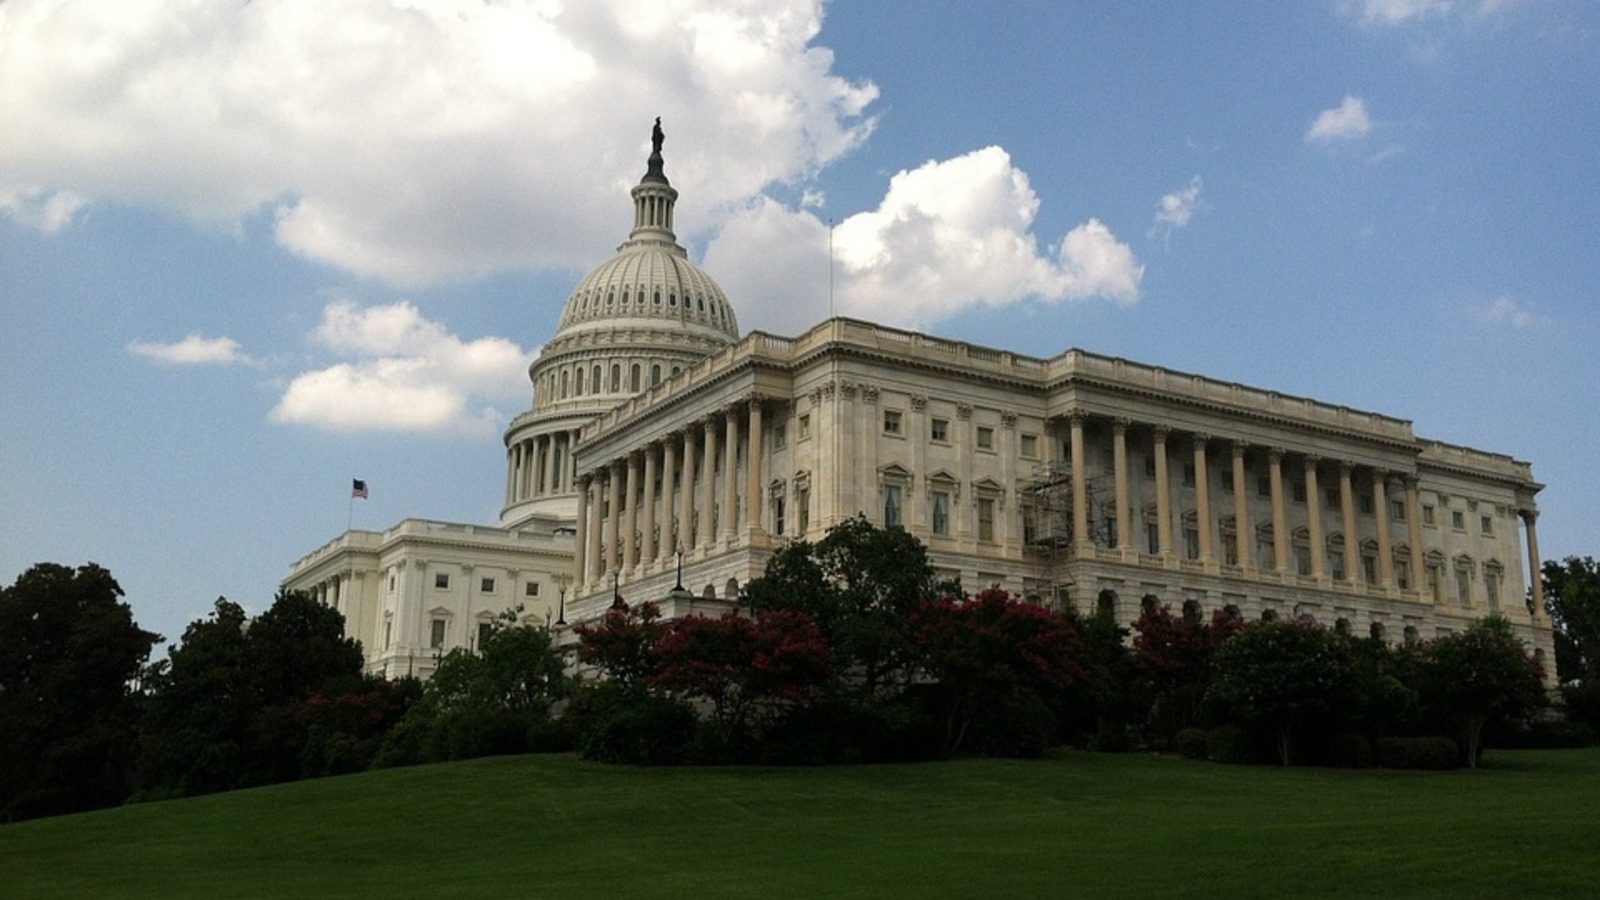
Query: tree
x=623, y=645
x=202, y=731
x=1174, y=655
x=991, y=652
x=1572, y=597
x=516, y=669
x=70, y=656
x=1279, y=673
x=1478, y=677
x=739, y=664
x=860, y=584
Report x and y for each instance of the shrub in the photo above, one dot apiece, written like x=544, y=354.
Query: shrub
x=1229, y=744
x=638, y=729
x=1350, y=751
x=1191, y=743
x=1111, y=739
x=1417, y=753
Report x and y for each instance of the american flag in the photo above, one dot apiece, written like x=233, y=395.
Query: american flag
x=358, y=489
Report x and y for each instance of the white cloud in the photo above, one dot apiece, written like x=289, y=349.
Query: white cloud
x=192, y=351
x=404, y=373
x=1508, y=310
x=1177, y=208
x=41, y=210
x=1345, y=122
x=948, y=236
x=1395, y=12
x=415, y=141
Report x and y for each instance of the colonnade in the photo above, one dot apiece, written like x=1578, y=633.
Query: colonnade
x=1312, y=468
x=637, y=511
x=540, y=465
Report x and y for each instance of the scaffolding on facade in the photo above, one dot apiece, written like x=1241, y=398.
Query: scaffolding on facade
x=1047, y=521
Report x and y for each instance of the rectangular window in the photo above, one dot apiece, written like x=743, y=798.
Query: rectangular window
x=941, y=512
x=1336, y=564
x=1226, y=478
x=777, y=515
x=1150, y=466
x=1402, y=572
x=1230, y=550
x=802, y=509
x=486, y=585
x=1463, y=576
x=1434, y=584
x=1152, y=537
x=531, y=589
x=1369, y=569
x=780, y=436
x=1264, y=486
x=1491, y=589
x=1428, y=517
x=436, y=637
x=891, y=506
x=391, y=582
x=1111, y=531
x=1030, y=446
x=985, y=519
x=1397, y=510
x=805, y=426
x=985, y=438
x=939, y=430
x=1486, y=525
x=441, y=580
x=1458, y=520
x=388, y=633
x=1191, y=542
x=1188, y=474
x=1299, y=492
x=1365, y=504
x=483, y=633
x=1302, y=560
x=1334, y=499
x=891, y=421
x=1030, y=527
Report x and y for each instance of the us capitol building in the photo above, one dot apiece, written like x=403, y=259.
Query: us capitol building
x=1079, y=480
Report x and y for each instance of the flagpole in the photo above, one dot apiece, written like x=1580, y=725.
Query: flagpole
x=350, y=510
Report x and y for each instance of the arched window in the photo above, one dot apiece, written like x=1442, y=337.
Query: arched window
x=633, y=379
x=1269, y=615
x=1377, y=631
x=672, y=299
x=577, y=383
x=594, y=380
x=1411, y=636
x=616, y=378
x=701, y=303
x=624, y=298
x=1341, y=626
x=658, y=298
x=676, y=370
x=1149, y=605
x=655, y=375
x=1191, y=611
x=563, y=384
x=611, y=298
x=1106, y=605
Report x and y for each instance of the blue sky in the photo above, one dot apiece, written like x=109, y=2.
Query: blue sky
x=251, y=251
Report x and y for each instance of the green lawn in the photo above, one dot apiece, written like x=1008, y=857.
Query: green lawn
x=1528, y=824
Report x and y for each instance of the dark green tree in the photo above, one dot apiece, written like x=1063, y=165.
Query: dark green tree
x=515, y=669
x=70, y=658
x=1281, y=674
x=1572, y=597
x=860, y=584
x=1478, y=677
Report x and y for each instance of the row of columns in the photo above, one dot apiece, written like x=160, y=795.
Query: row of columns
x=620, y=537
x=1244, y=531
x=540, y=465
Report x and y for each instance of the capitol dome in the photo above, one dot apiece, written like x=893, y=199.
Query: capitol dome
x=637, y=319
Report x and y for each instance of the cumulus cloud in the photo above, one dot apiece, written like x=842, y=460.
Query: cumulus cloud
x=948, y=236
x=41, y=210
x=1508, y=310
x=1346, y=122
x=194, y=350
x=415, y=141
x=403, y=372
x=1403, y=12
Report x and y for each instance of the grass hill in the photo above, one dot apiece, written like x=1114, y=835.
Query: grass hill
x=1077, y=824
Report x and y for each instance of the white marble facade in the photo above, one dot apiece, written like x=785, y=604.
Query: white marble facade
x=1081, y=479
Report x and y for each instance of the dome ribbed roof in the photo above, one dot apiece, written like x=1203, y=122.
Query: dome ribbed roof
x=650, y=283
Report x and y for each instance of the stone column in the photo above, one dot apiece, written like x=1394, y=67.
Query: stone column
x=752, y=464
x=580, y=537
x=1202, y=496
x=1319, y=560
x=1352, y=540
x=730, y=476
x=1530, y=520
x=550, y=464
x=597, y=564
x=1243, y=531
x=1080, y=488
x=647, y=526
x=1163, y=493
x=708, y=488
x=630, y=521
x=1380, y=506
x=1414, y=524
x=1280, y=516
x=1119, y=465
x=686, y=535
x=669, y=480
x=511, y=474
x=613, y=519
